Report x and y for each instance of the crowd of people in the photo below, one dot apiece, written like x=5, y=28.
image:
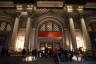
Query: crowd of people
x=58, y=54
x=61, y=55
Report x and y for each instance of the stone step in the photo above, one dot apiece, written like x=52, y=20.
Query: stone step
x=75, y=62
x=40, y=61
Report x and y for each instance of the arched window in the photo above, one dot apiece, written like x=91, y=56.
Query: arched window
x=2, y=26
x=8, y=28
x=42, y=28
x=50, y=26
x=5, y=26
x=92, y=26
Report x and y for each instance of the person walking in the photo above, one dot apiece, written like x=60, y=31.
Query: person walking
x=56, y=56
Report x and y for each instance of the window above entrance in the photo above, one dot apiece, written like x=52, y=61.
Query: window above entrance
x=50, y=27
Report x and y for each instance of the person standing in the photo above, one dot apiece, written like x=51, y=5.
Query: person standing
x=23, y=52
x=46, y=52
x=34, y=54
x=77, y=54
x=81, y=53
x=56, y=56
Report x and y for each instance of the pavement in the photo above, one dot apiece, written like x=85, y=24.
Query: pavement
x=43, y=60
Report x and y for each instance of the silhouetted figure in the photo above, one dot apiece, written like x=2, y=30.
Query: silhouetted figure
x=81, y=53
x=46, y=52
x=23, y=52
x=39, y=54
x=34, y=54
x=70, y=55
x=50, y=52
x=3, y=52
x=7, y=52
x=77, y=53
x=56, y=56
x=66, y=53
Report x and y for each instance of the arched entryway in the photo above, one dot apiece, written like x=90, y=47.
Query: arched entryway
x=92, y=32
x=50, y=33
x=5, y=32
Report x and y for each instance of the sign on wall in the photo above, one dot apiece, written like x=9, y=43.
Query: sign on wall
x=49, y=34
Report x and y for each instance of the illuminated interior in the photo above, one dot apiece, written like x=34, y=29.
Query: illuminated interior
x=80, y=41
x=20, y=40
x=20, y=43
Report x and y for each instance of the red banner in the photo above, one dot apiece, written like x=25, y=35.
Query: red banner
x=49, y=34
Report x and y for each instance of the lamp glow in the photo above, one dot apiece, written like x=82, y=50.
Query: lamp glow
x=69, y=8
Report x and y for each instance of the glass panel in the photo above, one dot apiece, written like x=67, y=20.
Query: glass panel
x=55, y=27
x=42, y=28
x=49, y=26
x=8, y=27
x=2, y=27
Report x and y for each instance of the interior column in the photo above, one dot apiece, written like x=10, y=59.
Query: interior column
x=28, y=25
x=85, y=33
x=32, y=38
x=72, y=32
x=64, y=40
x=14, y=33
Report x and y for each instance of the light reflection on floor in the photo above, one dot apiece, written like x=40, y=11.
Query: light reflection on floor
x=28, y=59
x=31, y=58
x=75, y=58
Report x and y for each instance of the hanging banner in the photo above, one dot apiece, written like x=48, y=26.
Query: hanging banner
x=49, y=34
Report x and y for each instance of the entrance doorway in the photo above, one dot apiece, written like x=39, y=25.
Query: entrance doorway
x=50, y=35
x=49, y=45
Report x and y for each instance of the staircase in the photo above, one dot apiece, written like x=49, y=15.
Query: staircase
x=40, y=61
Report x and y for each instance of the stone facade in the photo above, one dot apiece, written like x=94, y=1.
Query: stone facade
x=25, y=27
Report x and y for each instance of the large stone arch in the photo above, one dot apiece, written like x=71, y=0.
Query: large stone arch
x=91, y=27
x=8, y=19
x=89, y=21
x=7, y=34
x=45, y=17
x=57, y=19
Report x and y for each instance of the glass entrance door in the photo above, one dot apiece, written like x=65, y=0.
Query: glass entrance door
x=56, y=45
x=49, y=45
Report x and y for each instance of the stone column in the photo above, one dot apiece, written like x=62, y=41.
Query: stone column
x=36, y=39
x=32, y=38
x=85, y=33
x=64, y=39
x=72, y=32
x=14, y=33
x=28, y=26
